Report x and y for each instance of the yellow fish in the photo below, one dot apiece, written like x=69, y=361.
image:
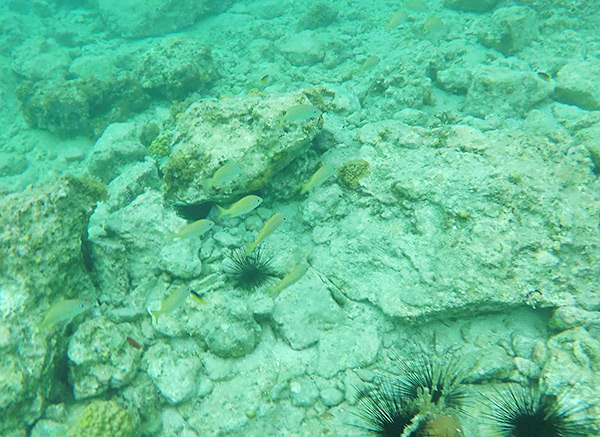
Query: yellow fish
x=289, y=279
x=63, y=310
x=195, y=229
x=173, y=301
x=320, y=176
x=395, y=20
x=433, y=24
x=272, y=224
x=300, y=112
x=241, y=207
x=223, y=175
x=369, y=63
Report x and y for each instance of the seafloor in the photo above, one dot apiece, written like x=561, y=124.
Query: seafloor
x=456, y=218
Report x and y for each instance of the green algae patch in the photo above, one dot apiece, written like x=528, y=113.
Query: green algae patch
x=104, y=418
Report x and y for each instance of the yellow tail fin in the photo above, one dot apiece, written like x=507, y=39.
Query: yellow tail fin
x=250, y=247
x=155, y=315
x=222, y=211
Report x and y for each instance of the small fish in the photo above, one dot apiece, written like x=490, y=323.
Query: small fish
x=264, y=80
x=320, y=176
x=272, y=224
x=289, y=279
x=170, y=303
x=544, y=76
x=395, y=20
x=241, y=207
x=433, y=24
x=198, y=297
x=300, y=112
x=63, y=310
x=134, y=344
x=195, y=229
x=369, y=63
x=223, y=175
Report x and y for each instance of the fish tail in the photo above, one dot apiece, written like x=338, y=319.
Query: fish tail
x=250, y=247
x=222, y=211
x=304, y=188
x=155, y=315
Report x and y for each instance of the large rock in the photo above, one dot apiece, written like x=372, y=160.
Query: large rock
x=40, y=263
x=509, y=30
x=578, y=83
x=504, y=91
x=118, y=146
x=245, y=130
x=139, y=18
x=174, y=368
x=176, y=66
x=101, y=358
x=454, y=213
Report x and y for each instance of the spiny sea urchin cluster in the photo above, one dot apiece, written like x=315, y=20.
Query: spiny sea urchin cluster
x=425, y=399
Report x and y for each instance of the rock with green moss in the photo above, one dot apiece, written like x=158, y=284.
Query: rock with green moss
x=320, y=15
x=249, y=131
x=175, y=67
x=102, y=419
x=41, y=262
x=81, y=105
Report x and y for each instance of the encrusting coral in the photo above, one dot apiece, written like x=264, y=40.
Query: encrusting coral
x=104, y=418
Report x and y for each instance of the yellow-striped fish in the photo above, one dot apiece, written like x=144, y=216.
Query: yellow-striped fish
x=291, y=278
x=173, y=301
x=320, y=176
x=223, y=175
x=272, y=224
x=63, y=310
x=241, y=207
x=192, y=230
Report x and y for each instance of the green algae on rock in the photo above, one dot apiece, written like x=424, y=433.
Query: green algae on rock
x=40, y=262
x=245, y=130
x=176, y=66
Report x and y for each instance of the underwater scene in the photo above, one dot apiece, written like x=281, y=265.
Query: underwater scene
x=299, y=218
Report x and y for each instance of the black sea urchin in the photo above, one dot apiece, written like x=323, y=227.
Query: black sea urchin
x=383, y=411
x=529, y=412
x=249, y=272
x=437, y=381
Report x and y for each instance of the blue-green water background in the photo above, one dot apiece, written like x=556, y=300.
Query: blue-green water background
x=475, y=230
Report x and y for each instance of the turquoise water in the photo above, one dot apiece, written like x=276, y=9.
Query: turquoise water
x=336, y=212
